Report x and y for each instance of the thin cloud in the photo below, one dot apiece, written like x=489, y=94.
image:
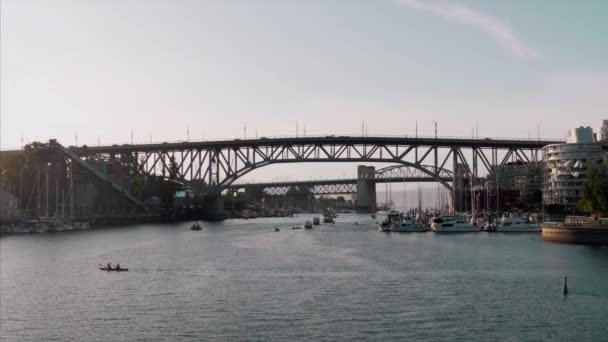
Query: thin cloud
x=497, y=29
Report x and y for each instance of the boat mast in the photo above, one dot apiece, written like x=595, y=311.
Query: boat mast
x=497, y=191
x=390, y=190
x=404, y=196
x=72, y=190
x=38, y=194
x=56, y=199
x=419, y=201
x=386, y=195
x=19, y=204
x=47, y=190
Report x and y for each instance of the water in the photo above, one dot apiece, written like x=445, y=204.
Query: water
x=239, y=280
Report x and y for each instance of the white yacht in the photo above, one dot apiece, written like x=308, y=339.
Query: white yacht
x=515, y=224
x=435, y=221
x=406, y=226
x=392, y=217
x=452, y=226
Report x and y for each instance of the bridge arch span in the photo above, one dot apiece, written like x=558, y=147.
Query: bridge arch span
x=403, y=170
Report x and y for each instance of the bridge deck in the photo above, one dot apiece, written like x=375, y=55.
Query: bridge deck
x=330, y=139
x=338, y=140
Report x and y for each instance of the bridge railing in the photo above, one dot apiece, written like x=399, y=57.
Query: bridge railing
x=215, y=139
x=288, y=136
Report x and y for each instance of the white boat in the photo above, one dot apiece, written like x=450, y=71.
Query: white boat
x=435, y=221
x=328, y=219
x=515, y=224
x=384, y=228
x=406, y=226
x=392, y=218
x=453, y=226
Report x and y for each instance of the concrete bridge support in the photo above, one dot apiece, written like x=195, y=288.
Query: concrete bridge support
x=460, y=190
x=366, y=189
x=213, y=207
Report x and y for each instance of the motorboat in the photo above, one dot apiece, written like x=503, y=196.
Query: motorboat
x=393, y=217
x=329, y=213
x=435, y=221
x=407, y=225
x=328, y=218
x=516, y=224
x=316, y=221
x=196, y=226
x=276, y=229
x=308, y=225
x=384, y=227
x=452, y=226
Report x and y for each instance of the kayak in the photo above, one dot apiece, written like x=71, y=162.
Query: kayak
x=114, y=269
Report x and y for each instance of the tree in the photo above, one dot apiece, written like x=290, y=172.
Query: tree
x=595, y=190
x=173, y=169
x=537, y=199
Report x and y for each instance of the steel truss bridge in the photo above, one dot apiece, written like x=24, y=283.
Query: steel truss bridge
x=214, y=166
x=218, y=164
x=390, y=174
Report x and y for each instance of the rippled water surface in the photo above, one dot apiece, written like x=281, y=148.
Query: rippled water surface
x=240, y=280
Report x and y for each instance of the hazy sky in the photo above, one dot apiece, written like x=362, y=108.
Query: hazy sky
x=104, y=68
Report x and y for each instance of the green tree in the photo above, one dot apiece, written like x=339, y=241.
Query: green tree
x=173, y=169
x=595, y=190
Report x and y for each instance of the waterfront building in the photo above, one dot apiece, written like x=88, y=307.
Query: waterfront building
x=526, y=178
x=566, y=165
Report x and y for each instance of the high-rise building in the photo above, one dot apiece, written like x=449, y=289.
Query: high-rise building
x=566, y=165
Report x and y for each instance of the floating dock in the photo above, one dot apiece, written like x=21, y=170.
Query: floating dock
x=577, y=230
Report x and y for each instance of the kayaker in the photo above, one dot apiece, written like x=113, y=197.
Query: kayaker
x=109, y=266
x=117, y=266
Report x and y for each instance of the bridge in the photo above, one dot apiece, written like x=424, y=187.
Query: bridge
x=212, y=166
x=321, y=186
x=220, y=163
x=390, y=174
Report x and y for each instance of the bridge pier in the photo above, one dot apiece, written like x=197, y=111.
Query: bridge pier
x=366, y=189
x=213, y=207
x=460, y=193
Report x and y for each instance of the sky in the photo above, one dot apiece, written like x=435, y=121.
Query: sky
x=166, y=70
